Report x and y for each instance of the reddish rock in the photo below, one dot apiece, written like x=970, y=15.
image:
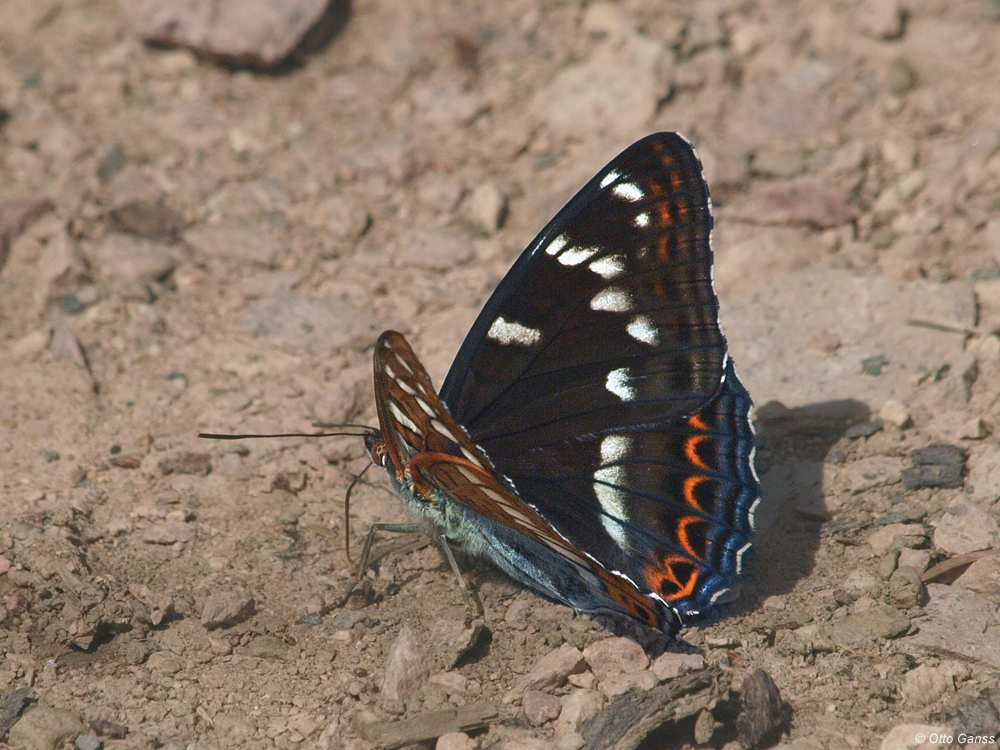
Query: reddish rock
x=797, y=202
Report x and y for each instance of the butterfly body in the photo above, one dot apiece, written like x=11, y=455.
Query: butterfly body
x=592, y=438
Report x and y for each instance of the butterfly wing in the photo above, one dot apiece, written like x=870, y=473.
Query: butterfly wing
x=443, y=475
x=598, y=382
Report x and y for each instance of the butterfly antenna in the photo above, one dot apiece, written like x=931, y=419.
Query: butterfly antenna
x=347, y=514
x=341, y=425
x=216, y=436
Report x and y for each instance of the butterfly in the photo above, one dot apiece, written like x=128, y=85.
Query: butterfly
x=591, y=438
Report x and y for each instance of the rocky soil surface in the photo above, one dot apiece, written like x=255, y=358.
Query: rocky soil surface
x=191, y=243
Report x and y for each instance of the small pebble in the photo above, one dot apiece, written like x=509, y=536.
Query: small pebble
x=874, y=365
x=937, y=466
x=71, y=305
x=539, y=707
x=866, y=429
x=670, y=665
x=613, y=656
x=88, y=741
x=905, y=588
x=974, y=429
x=226, y=608
x=577, y=709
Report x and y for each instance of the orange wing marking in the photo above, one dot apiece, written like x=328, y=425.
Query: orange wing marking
x=697, y=422
x=661, y=579
x=690, y=485
x=662, y=248
x=691, y=451
x=676, y=182
x=666, y=217
x=684, y=539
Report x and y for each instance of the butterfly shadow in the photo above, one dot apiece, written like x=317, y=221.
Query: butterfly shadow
x=793, y=447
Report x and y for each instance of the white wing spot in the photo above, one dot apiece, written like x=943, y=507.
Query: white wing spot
x=557, y=245
x=473, y=458
x=629, y=191
x=642, y=329
x=614, y=448
x=642, y=220
x=425, y=406
x=739, y=556
x=718, y=595
x=611, y=498
x=403, y=385
x=401, y=417
x=507, y=332
x=753, y=508
x=577, y=255
x=444, y=430
x=609, y=178
x=387, y=368
x=608, y=267
x=611, y=299
x=617, y=383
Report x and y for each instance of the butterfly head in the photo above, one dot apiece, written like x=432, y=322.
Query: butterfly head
x=377, y=449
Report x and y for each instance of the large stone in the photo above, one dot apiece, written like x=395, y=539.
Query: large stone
x=612, y=656
x=903, y=737
x=966, y=527
x=45, y=728
x=241, y=32
x=128, y=258
x=551, y=671
x=577, y=709
x=796, y=202
x=959, y=623
x=406, y=667
x=225, y=608
x=234, y=242
x=874, y=623
x=983, y=481
x=983, y=577
x=433, y=248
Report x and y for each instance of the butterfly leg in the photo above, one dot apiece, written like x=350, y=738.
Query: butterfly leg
x=359, y=572
x=472, y=600
x=396, y=528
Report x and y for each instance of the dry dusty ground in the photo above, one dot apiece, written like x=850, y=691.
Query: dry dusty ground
x=223, y=247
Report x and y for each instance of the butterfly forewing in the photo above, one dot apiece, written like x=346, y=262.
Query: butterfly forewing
x=602, y=309
x=597, y=381
x=411, y=414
